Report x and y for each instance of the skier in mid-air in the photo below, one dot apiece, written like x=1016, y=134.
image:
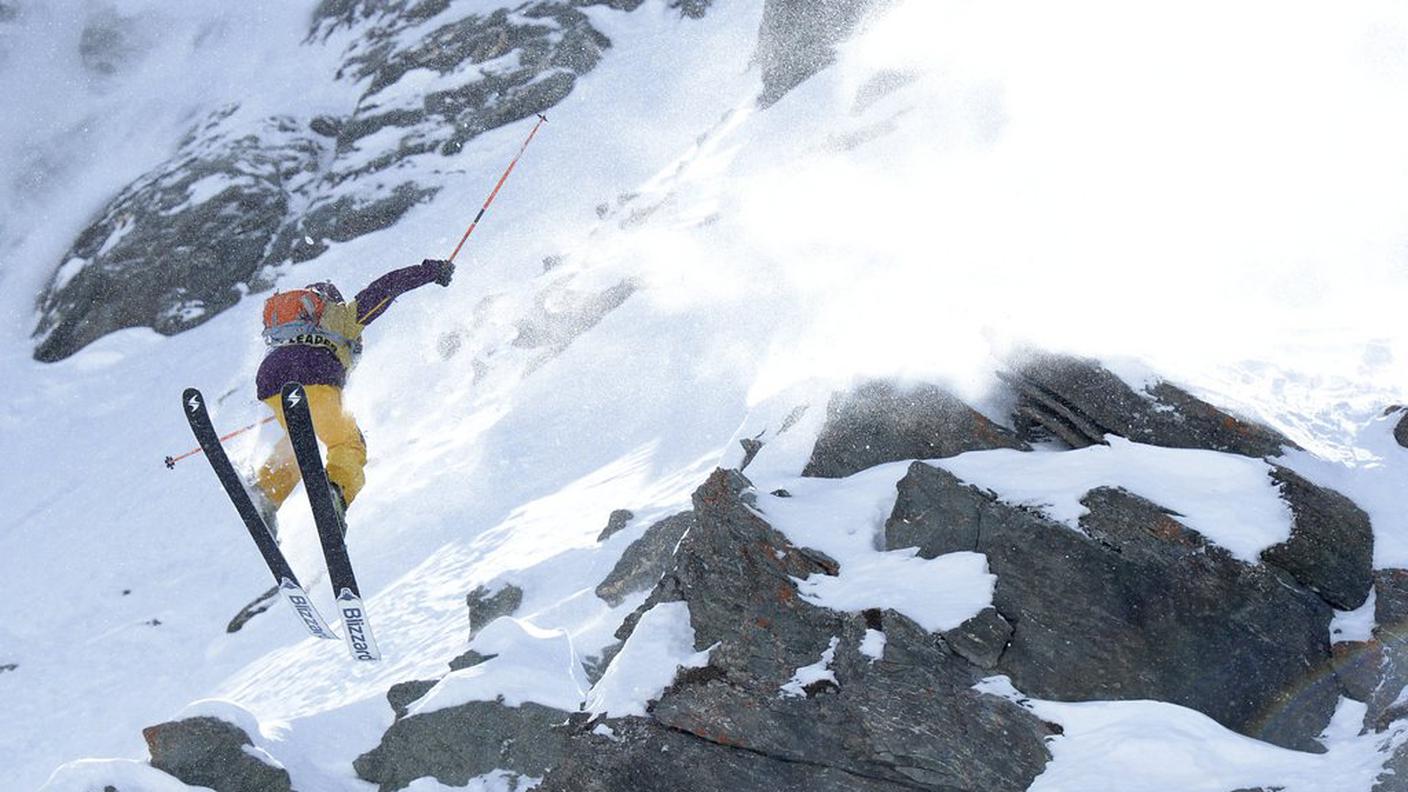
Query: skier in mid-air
x=314, y=338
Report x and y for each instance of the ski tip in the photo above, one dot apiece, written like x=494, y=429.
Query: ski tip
x=192, y=399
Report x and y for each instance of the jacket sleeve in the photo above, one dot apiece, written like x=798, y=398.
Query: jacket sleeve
x=373, y=301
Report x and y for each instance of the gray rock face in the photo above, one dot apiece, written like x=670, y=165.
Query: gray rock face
x=798, y=39
x=485, y=607
x=1138, y=607
x=208, y=752
x=909, y=720
x=244, y=197
x=456, y=744
x=1390, y=639
x=178, y=246
x=646, y=559
x=1400, y=429
x=881, y=422
x=617, y=520
x=643, y=756
x=1078, y=401
x=1331, y=549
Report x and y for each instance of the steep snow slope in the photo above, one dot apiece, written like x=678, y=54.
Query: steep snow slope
x=954, y=185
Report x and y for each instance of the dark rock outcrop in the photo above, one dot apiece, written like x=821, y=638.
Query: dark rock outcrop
x=617, y=520
x=244, y=197
x=458, y=743
x=908, y=720
x=1079, y=401
x=646, y=559
x=881, y=421
x=1331, y=549
x=484, y=607
x=1400, y=429
x=1138, y=607
x=208, y=752
x=181, y=243
x=630, y=758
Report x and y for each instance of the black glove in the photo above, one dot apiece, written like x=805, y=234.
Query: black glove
x=444, y=270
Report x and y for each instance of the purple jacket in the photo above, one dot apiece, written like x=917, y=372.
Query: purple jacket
x=311, y=365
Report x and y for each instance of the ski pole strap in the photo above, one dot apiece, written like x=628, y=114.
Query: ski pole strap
x=542, y=119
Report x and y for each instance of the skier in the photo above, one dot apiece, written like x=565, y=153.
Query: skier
x=315, y=338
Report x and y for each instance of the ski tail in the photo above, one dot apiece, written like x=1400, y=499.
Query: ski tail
x=331, y=530
x=193, y=403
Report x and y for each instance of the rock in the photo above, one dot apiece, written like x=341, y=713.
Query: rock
x=1079, y=401
x=1391, y=635
x=9, y=667
x=1400, y=430
x=179, y=245
x=1140, y=608
x=645, y=560
x=208, y=752
x=484, y=607
x=751, y=447
x=615, y=522
x=910, y=720
x=243, y=197
x=1331, y=549
x=798, y=38
x=458, y=743
x=1357, y=666
x=642, y=756
x=982, y=639
x=403, y=694
x=881, y=421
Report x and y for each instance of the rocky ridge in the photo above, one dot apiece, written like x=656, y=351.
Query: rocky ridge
x=244, y=197
x=1133, y=604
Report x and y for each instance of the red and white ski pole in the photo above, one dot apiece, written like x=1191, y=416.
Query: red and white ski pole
x=172, y=460
x=542, y=119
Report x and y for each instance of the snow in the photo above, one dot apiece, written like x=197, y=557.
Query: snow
x=1355, y=625
x=662, y=643
x=86, y=775
x=497, y=781
x=845, y=520
x=820, y=671
x=529, y=664
x=938, y=594
x=1149, y=746
x=873, y=645
x=1229, y=499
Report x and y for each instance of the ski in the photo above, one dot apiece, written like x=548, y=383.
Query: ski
x=285, y=580
x=331, y=528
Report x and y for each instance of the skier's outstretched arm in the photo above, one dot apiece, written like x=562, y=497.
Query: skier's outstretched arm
x=373, y=301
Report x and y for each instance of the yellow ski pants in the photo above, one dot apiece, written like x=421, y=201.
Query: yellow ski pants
x=346, y=450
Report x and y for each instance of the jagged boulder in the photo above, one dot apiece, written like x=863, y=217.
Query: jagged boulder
x=1331, y=548
x=1079, y=401
x=462, y=742
x=883, y=421
x=910, y=719
x=646, y=559
x=485, y=606
x=1138, y=606
x=209, y=752
x=1400, y=429
x=616, y=521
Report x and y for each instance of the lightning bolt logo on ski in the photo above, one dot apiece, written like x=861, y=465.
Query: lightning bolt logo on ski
x=295, y=397
x=194, y=403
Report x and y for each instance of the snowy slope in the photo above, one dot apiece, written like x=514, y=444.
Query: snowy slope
x=958, y=183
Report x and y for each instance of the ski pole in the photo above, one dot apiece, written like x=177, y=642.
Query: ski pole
x=171, y=461
x=541, y=120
